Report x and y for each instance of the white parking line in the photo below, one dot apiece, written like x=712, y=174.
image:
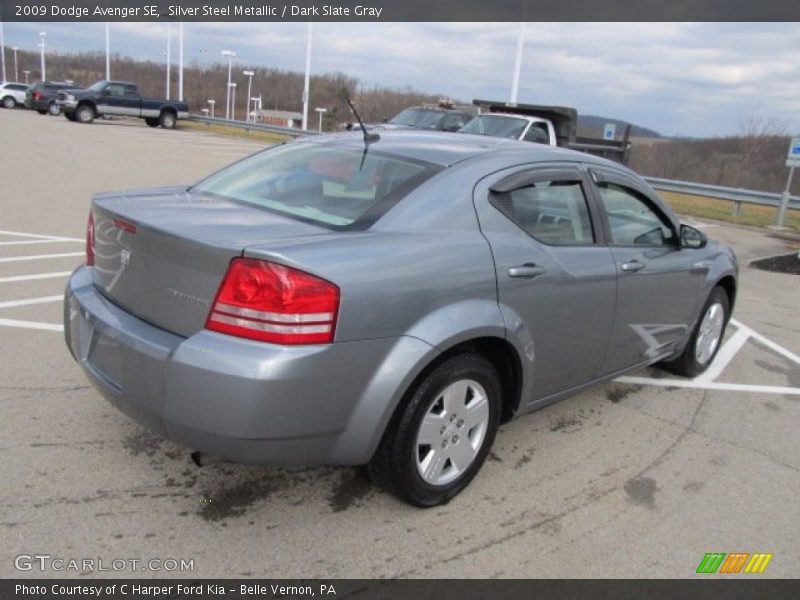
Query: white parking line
x=30, y=325
x=711, y=385
x=39, y=257
x=40, y=300
x=32, y=277
x=40, y=237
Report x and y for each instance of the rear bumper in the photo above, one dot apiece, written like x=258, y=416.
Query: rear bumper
x=245, y=401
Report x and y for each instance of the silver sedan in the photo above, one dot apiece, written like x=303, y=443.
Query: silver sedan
x=386, y=302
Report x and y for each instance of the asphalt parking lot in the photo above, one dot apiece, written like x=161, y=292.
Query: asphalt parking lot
x=638, y=478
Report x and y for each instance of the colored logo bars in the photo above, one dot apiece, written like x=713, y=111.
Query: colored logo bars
x=720, y=562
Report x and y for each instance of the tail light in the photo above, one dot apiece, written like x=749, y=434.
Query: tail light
x=37, y=95
x=90, y=240
x=274, y=303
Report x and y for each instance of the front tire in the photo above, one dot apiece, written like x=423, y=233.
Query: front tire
x=54, y=109
x=70, y=116
x=167, y=120
x=706, y=337
x=41, y=111
x=439, y=437
x=85, y=114
x=9, y=102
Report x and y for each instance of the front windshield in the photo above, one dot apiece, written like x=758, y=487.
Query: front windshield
x=97, y=87
x=496, y=126
x=328, y=185
x=418, y=117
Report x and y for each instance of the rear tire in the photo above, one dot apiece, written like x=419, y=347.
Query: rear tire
x=54, y=109
x=9, y=102
x=151, y=121
x=706, y=337
x=439, y=436
x=41, y=111
x=85, y=114
x=167, y=120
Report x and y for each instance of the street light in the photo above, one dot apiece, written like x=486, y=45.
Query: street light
x=169, y=51
x=180, y=61
x=2, y=54
x=233, y=102
x=230, y=54
x=26, y=73
x=42, y=35
x=517, y=64
x=212, y=103
x=320, y=111
x=308, y=76
x=16, y=67
x=249, y=74
x=108, y=51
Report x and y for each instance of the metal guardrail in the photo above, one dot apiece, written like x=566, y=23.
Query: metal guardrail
x=736, y=195
x=247, y=126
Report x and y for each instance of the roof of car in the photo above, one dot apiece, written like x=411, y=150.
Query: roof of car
x=445, y=148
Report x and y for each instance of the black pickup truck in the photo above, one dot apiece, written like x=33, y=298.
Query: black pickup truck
x=119, y=98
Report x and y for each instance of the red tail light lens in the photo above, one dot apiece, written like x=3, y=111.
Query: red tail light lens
x=273, y=303
x=90, y=240
x=37, y=94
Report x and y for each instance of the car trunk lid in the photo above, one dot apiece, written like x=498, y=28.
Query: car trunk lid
x=161, y=254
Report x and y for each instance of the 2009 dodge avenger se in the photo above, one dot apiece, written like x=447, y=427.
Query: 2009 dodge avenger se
x=386, y=302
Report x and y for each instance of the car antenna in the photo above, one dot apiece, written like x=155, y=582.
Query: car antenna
x=368, y=137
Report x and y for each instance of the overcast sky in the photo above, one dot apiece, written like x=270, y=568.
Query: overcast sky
x=677, y=78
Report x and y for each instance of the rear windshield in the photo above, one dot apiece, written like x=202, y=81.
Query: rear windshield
x=496, y=126
x=419, y=117
x=328, y=185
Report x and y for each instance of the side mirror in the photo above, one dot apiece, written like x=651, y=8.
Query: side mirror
x=692, y=238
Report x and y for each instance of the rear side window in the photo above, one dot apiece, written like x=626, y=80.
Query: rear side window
x=328, y=185
x=553, y=212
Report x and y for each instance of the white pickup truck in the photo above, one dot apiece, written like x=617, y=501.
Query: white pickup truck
x=551, y=125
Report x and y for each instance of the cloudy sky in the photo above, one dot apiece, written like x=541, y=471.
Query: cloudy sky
x=678, y=78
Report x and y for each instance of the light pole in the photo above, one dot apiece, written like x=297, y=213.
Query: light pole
x=230, y=54
x=42, y=35
x=249, y=74
x=320, y=111
x=108, y=51
x=307, y=79
x=180, y=61
x=212, y=103
x=27, y=74
x=233, y=102
x=16, y=66
x=2, y=53
x=169, y=50
x=517, y=64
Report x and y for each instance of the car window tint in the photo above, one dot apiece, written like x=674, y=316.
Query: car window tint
x=553, y=212
x=631, y=219
x=131, y=91
x=333, y=186
x=17, y=87
x=115, y=90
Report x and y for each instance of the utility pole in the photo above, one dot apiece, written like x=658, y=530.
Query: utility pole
x=169, y=58
x=308, y=77
x=108, y=51
x=517, y=64
x=180, y=61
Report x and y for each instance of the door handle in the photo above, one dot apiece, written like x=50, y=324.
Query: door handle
x=526, y=271
x=632, y=266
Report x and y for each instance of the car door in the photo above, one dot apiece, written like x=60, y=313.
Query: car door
x=112, y=101
x=556, y=278
x=657, y=285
